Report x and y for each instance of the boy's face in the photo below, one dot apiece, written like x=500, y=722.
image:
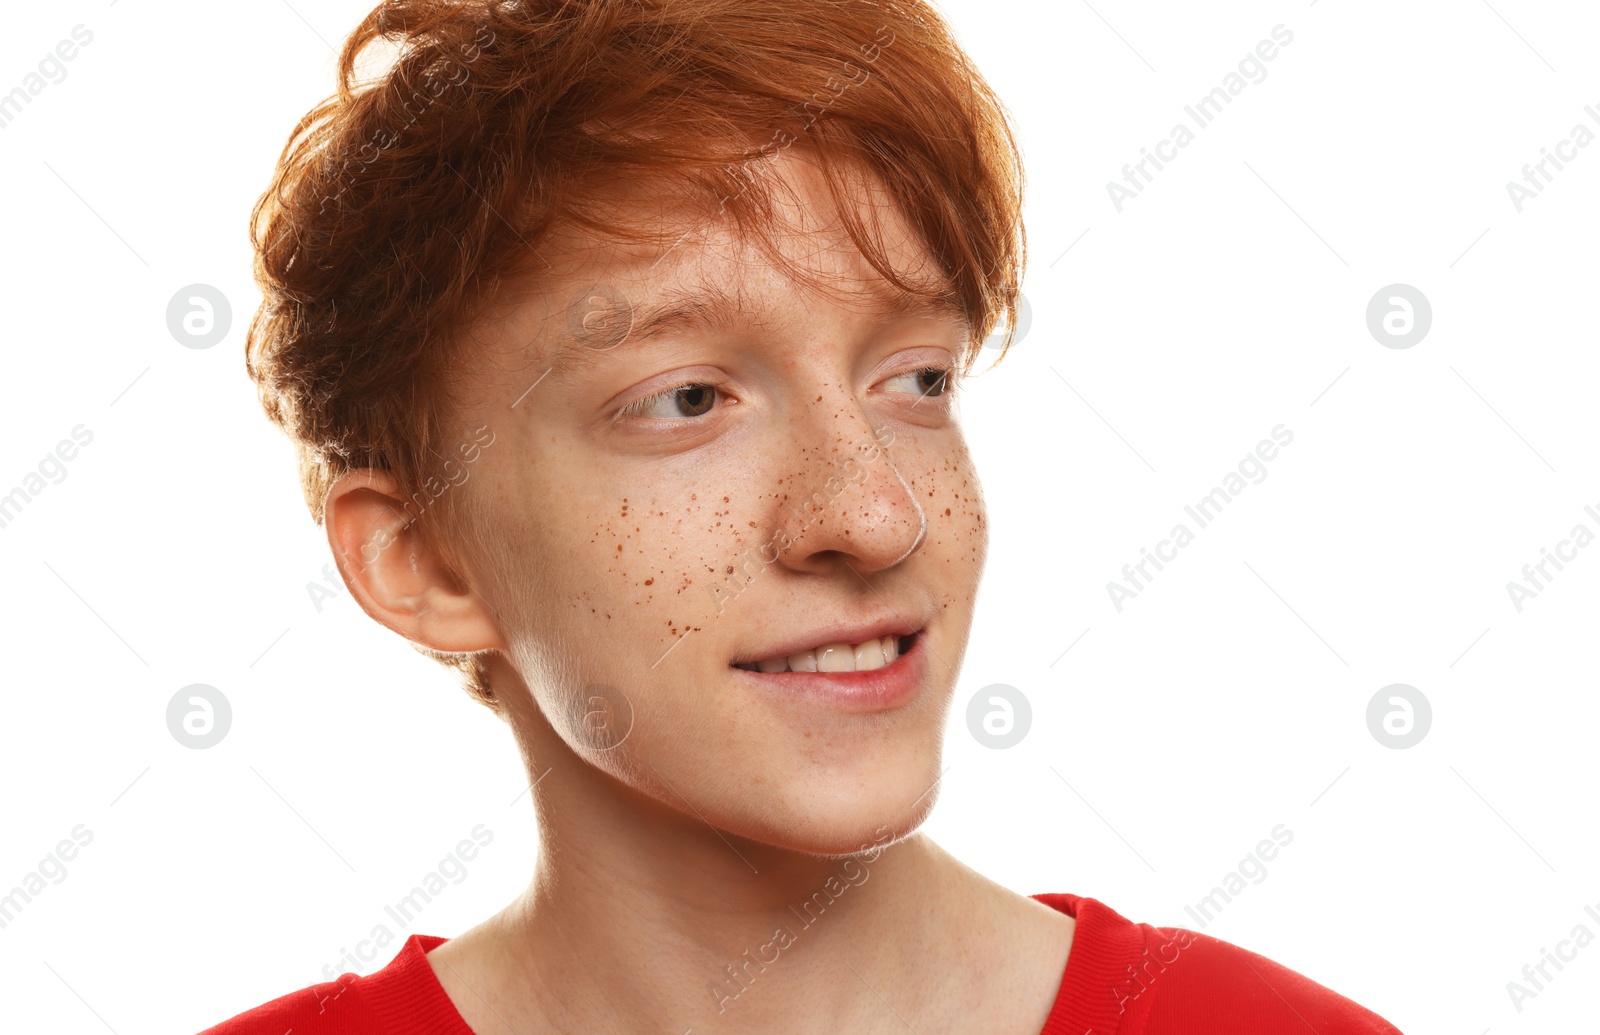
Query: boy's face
x=784, y=479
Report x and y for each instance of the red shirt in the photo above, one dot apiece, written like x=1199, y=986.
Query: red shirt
x=1122, y=978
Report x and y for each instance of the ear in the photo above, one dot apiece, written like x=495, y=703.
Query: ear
x=396, y=576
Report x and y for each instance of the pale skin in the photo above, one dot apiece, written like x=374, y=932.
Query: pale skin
x=664, y=858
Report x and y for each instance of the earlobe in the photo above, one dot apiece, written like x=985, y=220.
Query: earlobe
x=395, y=574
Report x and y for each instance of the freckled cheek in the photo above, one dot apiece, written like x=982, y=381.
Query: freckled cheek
x=653, y=561
x=949, y=493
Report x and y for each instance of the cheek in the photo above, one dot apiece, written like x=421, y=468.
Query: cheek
x=946, y=486
x=609, y=567
x=650, y=567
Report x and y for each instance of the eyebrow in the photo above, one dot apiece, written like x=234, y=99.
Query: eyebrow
x=709, y=307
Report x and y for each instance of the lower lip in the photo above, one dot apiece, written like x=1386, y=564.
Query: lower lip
x=877, y=690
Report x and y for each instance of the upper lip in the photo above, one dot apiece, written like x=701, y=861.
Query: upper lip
x=851, y=632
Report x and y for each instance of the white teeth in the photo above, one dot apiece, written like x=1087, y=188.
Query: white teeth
x=871, y=655
x=835, y=657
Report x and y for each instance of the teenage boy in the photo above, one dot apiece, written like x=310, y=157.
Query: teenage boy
x=620, y=341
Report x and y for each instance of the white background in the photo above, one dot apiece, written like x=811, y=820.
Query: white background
x=1167, y=339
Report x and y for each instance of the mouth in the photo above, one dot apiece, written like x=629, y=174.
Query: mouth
x=868, y=656
x=871, y=664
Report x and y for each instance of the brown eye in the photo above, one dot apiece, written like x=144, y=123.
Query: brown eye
x=933, y=381
x=693, y=399
x=696, y=399
x=927, y=383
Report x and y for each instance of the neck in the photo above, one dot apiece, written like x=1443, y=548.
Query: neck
x=709, y=931
x=640, y=916
x=720, y=948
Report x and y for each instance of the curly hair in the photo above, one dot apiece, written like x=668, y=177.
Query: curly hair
x=402, y=202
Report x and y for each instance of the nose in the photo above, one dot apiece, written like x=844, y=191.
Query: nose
x=849, y=503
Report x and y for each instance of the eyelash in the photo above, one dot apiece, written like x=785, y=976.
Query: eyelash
x=947, y=380
x=637, y=409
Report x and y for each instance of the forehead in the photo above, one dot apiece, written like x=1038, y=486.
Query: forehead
x=606, y=315
x=703, y=274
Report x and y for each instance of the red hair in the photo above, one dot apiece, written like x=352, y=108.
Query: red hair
x=401, y=203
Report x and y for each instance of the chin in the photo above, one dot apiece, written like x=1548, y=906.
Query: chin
x=841, y=814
